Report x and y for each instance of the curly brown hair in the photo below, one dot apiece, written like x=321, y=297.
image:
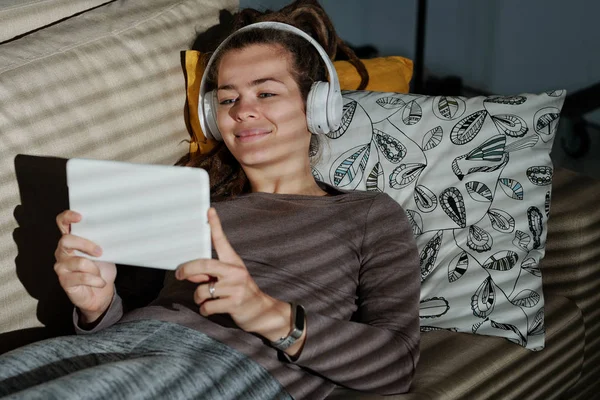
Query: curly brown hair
x=227, y=178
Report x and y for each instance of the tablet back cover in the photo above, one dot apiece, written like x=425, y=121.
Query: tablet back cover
x=143, y=215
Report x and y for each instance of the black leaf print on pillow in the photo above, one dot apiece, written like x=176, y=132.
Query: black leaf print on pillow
x=412, y=113
x=546, y=122
x=491, y=150
x=510, y=125
x=478, y=239
x=534, y=216
x=353, y=164
x=458, y=266
x=467, y=128
x=425, y=199
x=521, y=144
x=316, y=174
x=432, y=138
x=503, y=260
x=416, y=221
x=375, y=181
x=390, y=102
x=537, y=325
x=490, y=168
x=448, y=108
x=479, y=191
x=501, y=220
x=531, y=266
x=512, y=188
x=426, y=328
x=347, y=116
x=405, y=174
x=539, y=175
x=508, y=100
x=478, y=325
x=526, y=298
x=547, y=204
x=510, y=327
x=484, y=299
x=429, y=254
x=456, y=168
x=522, y=240
x=390, y=147
x=454, y=206
x=433, y=308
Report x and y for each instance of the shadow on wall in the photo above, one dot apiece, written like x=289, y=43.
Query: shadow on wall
x=208, y=40
x=43, y=190
x=44, y=194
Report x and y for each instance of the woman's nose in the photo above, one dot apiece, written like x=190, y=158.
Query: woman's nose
x=245, y=109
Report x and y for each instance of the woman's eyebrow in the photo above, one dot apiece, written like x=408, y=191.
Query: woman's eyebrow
x=255, y=82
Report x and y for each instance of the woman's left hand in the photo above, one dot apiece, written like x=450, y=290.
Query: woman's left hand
x=235, y=291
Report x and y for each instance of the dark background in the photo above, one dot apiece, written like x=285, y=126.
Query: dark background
x=501, y=47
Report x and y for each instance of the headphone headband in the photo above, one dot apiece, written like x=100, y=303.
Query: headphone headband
x=334, y=91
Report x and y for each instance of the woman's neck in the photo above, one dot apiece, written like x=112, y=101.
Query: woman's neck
x=300, y=183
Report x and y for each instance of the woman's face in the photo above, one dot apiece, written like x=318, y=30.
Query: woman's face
x=261, y=112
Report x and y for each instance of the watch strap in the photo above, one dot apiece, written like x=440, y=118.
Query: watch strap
x=298, y=316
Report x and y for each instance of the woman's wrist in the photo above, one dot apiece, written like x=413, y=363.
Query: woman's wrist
x=91, y=318
x=276, y=323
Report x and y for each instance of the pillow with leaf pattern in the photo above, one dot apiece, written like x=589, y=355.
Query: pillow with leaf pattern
x=474, y=177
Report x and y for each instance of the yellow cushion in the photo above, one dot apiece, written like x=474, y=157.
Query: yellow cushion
x=386, y=74
x=194, y=68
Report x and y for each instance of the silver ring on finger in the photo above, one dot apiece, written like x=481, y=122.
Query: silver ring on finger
x=211, y=289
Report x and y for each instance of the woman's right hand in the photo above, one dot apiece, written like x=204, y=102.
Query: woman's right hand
x=88, y=284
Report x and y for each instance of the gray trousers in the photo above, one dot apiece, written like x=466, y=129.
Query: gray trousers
x=135, y=360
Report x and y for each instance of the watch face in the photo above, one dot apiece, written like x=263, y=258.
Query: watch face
x=299, y=322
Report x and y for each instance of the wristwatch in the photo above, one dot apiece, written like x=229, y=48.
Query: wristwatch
x=297, y=329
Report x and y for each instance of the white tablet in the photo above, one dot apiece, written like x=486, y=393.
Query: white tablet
x=139, y=214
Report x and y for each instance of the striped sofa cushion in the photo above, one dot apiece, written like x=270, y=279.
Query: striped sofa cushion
x=20, y=17
x=105, y=84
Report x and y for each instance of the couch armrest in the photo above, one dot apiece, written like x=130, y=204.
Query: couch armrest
x=465, y=366
x=23, y=16
x=571, y=266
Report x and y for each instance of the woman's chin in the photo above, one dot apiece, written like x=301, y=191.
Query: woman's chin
x=254, y=159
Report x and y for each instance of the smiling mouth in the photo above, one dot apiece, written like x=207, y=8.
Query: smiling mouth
x=251, y=134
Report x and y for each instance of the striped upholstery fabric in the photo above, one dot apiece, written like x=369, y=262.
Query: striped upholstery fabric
x=105, y=84
x=571, y=267
x=459, y=366
x=22, y=16
x=463, y=366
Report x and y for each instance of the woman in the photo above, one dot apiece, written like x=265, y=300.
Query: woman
x=311, y=287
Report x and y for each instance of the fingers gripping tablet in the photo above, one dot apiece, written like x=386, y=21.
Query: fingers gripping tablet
x=139, y=214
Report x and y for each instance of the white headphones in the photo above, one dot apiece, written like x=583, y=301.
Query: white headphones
x=323, y=105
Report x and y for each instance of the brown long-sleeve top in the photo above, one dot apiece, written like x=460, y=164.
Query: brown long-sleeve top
x=349, y=258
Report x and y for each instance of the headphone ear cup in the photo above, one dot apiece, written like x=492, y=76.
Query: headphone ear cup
x=335, y=110
x=316, y=108
x=210, y=116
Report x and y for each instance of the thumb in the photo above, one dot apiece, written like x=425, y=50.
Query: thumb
x=225, y=252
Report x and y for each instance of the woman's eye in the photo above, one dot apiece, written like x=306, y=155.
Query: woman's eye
x=265, y=95
x=225, y=102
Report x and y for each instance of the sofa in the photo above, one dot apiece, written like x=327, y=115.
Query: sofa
x=464, y=366
x=105, y=79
